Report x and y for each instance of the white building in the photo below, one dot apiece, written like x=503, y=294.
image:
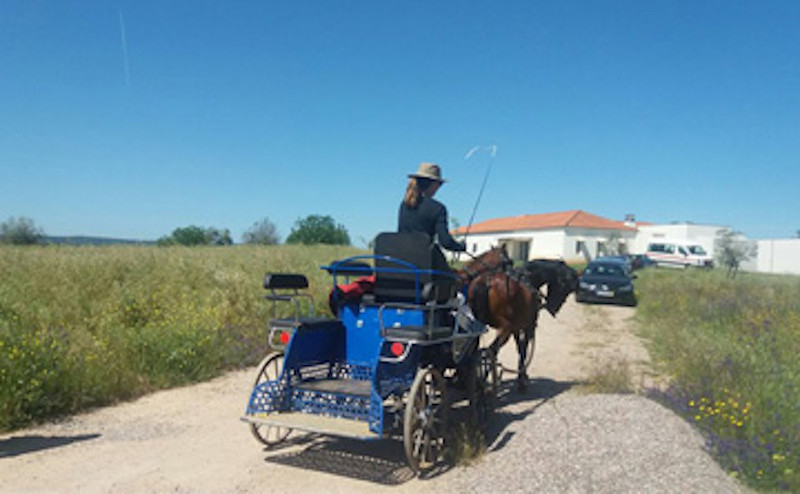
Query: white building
x=780, y=256
x=577, y=236
x=574, y=236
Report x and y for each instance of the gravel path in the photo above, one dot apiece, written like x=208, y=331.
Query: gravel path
x=552, y=439
x=594, y=443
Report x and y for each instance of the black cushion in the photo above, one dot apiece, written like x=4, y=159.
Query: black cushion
x=396, y=281
x=273, y=281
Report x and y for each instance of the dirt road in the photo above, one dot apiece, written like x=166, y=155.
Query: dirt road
x=191, y=440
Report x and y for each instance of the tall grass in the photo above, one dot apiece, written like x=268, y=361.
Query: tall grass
x=731, y=347
x=87, y=326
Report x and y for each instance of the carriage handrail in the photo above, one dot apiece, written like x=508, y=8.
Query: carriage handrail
x=291, y=284
x=293, y=297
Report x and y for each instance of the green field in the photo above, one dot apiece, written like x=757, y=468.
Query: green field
x=87, y=326
x=731, y=349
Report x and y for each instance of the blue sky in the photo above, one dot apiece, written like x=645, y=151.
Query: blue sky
x=131, y=118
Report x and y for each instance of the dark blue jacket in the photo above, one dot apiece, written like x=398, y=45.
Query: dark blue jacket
x=430, y=216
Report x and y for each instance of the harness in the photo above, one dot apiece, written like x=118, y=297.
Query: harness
x=505, y=268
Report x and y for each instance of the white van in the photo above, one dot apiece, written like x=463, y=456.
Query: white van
x=679, y=254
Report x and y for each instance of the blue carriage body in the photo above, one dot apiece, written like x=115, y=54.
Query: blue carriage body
x=355, y=369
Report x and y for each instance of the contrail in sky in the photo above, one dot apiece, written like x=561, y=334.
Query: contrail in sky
x=124, y=48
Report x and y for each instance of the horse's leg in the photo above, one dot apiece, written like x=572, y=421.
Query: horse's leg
x=499, y=341
x=521, y=338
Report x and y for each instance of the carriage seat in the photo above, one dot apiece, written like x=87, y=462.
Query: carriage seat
x=395, y=282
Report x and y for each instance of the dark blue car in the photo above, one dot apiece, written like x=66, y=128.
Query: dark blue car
x=639, y=261
x=606, y=281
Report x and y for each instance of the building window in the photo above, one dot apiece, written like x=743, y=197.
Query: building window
x=579, y=247
x=474, y=247
x=524, y=251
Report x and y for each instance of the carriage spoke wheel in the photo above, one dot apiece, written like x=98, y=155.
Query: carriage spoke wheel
x=528, y=358
x=425, y=420
x=485, y=399
x=269, y=370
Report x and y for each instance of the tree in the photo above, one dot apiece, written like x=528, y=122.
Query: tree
x=20, y=231
x=262, y=232
x=732, y=249
x=217, y=237
x=316, y=229
x=195, y=235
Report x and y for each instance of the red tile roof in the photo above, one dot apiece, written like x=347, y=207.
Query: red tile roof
x=575, y=219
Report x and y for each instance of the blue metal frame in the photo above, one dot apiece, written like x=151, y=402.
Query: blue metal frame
x=356, y=347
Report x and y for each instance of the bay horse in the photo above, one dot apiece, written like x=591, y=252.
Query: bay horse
x=509, y=299
x=501, y=301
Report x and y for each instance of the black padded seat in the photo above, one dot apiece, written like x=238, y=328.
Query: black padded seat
x=397, y=282
x=419, y=333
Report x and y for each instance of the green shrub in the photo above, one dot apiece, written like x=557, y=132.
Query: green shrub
x=87, y=326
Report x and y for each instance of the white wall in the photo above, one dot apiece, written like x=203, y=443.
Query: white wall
x=779, y=256
x=477, y=243
x=546, y=244
x=543, y=243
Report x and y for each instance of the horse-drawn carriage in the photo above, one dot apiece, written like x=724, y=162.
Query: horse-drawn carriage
x=395, y=356
x=386, y=366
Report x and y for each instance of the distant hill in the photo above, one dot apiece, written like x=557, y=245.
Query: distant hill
x=85, y=240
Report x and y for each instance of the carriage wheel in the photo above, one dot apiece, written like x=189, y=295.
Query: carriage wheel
x=485, y=397
x=425, y=420
x=269, y=370
x=528, y=357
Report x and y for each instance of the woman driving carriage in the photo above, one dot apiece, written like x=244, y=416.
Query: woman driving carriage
x=420, y=212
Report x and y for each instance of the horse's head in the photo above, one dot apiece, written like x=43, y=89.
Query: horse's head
x=494, y=259
x=561, y=280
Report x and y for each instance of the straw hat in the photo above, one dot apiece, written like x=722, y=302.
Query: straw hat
x=430, y=171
